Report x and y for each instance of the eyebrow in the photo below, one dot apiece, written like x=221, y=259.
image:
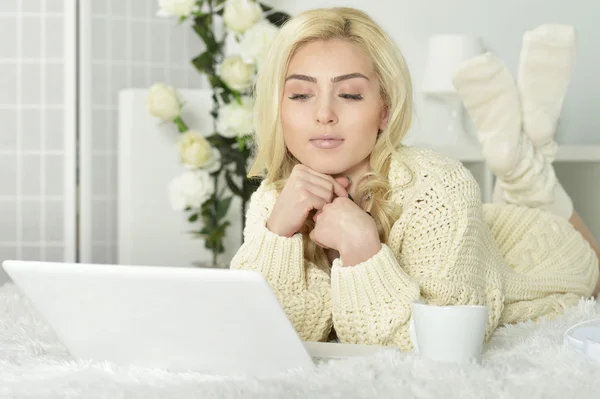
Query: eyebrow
x=336, y=79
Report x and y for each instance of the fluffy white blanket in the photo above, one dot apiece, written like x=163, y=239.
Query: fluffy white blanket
x=521, y=361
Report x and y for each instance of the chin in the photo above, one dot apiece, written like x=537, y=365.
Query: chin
x=327, y=166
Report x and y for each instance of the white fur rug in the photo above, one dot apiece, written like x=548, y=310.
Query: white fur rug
x=522, y=361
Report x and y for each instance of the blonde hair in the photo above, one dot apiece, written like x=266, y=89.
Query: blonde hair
x=275, y=163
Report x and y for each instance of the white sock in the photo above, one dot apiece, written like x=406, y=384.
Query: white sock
x=532, y=181
x=534, y=185
x=545, y=67
x=491, y=99
x=562, y=205
x=524, y=172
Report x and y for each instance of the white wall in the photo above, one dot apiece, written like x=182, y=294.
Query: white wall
x=501, y=25
x=37, y=130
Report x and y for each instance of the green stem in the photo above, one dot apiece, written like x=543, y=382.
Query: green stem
x=215, y=250
x=244, y=182
x=181, y=126
x=215, y=105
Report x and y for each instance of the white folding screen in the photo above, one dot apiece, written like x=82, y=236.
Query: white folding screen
x=37, y=130
x=123, y=45
x=62, y=65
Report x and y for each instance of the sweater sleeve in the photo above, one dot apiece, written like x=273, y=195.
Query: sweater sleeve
x=371, y=301
x=302, y=288
x=435, y=254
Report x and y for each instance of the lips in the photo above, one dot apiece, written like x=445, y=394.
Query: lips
x=326, y=142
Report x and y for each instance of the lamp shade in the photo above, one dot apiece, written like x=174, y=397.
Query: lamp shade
x=445, y=54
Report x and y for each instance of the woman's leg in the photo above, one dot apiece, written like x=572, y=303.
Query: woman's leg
x=546, y=61
x=580, y=226
x=518, y=144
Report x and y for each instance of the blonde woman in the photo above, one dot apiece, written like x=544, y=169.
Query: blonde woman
x=349, y=226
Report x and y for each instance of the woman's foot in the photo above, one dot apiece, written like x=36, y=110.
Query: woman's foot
x=545, y=67
x=491, y=98
x=490, y=95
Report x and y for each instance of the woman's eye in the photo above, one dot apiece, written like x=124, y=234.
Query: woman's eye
x=298, y=97
x=351, y=96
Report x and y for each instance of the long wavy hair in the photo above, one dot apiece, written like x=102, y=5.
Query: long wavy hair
x=274, y=162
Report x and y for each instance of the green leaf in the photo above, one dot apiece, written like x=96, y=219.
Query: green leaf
x=223, y=207
x=224, y=225
x=232, y=186
x=242, y=142
x=265, y=7
x=220, y=11
x=193, y=218
x=204, y=63
x=278, y=18
x=225, y=96
x=202, y=26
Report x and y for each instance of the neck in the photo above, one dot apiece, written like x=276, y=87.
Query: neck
x=355, y=174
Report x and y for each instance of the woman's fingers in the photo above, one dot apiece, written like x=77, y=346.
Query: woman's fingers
x=311, y=236
x=311, y=201
x=325, y=181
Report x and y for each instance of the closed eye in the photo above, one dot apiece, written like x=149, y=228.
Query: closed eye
x=299, y=97
x=355, y=97
x=351, y=96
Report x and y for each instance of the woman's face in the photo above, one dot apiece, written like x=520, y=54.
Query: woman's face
x=331, y=108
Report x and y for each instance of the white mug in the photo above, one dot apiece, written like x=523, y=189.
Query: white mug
x=449, y=333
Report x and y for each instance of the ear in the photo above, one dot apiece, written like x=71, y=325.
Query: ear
x=383, y=120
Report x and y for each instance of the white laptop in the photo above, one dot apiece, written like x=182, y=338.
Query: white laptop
x=220, y=322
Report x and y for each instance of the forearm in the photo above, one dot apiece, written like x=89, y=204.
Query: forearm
x=302, y=289
x=371, y=301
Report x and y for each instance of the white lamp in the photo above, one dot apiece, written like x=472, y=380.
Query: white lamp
x=445, y=54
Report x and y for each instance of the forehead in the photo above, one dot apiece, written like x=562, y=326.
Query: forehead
x=330, y=58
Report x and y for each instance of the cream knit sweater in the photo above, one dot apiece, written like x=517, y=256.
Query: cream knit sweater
x=445, y=249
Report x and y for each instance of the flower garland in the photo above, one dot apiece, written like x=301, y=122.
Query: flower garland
x=224, y=153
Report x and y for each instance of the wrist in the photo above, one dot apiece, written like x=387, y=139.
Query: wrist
x=359, y=252
x=273, y=228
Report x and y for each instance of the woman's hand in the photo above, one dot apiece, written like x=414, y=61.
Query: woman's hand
x=304, y=191
x=345, y=227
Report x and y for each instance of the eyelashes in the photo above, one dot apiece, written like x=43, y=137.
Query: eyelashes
x=301, y=97
x=351, y=96
x=298, y=97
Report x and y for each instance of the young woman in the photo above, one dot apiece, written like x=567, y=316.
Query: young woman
x=350, y=226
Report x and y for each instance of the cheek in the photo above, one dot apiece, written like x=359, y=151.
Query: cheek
x=364, y=124
x=295, y=120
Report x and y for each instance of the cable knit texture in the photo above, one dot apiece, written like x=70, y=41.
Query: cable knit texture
x=445, y=249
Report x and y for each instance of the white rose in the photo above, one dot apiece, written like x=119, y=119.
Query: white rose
x=190, y=189
x=236, y=73
x=194, y=150
x=256, y=42
x=240, y=15
x=235, y=120
x=163, y=102
x=214, y=163
x=176, y=8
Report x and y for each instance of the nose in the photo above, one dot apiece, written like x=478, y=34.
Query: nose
x=325, y=113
